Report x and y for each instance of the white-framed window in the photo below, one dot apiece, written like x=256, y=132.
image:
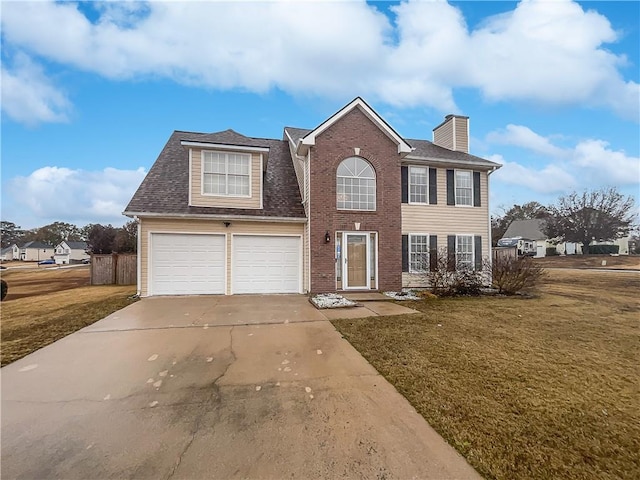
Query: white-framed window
x=464, y=187
x=418, y=184
x=226, y=174
x=418, y=253
x=464, y=252
x=356, y=185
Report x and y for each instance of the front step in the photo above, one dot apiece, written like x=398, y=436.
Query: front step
x=366, y=297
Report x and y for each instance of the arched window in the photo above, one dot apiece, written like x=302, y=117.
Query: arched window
x=356, y=185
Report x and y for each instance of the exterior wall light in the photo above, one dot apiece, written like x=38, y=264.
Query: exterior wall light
x=327, y=237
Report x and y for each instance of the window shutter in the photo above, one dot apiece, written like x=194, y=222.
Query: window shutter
x=433, y=186
x=433, y=252
x=477, y=250
x=405, y=253
x=451, y=188
x=476, y=189
x=451, y=253
x=405, y=184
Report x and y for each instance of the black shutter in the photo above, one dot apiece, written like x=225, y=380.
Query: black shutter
x=451, y=188
x=405, y=184
x=405, y=253
x=433, y=186
x=476, y=189
x=433, y=253
x=451, y=253
x=478, y=251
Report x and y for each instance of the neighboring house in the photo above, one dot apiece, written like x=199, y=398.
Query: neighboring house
x=12, y=252
x=35, y=251
x=533, y=229
x=67, y=252
x=349, y=205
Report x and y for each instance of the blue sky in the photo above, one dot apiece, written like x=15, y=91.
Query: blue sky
x=92, y=91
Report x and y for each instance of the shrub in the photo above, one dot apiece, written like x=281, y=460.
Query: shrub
x=512, y=275
x=5, y=289
x=551, y=251
x=603, y=249
x=445, y=280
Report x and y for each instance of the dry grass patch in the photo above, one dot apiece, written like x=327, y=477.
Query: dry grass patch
x=523, y=388
x=622, y=262
x=44, y=306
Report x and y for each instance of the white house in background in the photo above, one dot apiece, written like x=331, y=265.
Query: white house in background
x=36, y=251
x=532, y=229
x=70, y=252
x=12, y=252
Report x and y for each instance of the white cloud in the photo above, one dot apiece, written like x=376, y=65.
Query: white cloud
x=551, y=52
x=78, y=196
x=549, y=179
x=589, y=163
x=524, y=137
x=28, y=96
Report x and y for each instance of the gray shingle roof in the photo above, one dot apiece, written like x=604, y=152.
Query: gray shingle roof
x=530, y=229
x=165, y=188
x=427, y=149
x=422, y=149
x=77, y=245
x=36, y=244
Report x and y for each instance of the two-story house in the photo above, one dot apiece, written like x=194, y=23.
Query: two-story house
x=349, y=205
x=68, y=252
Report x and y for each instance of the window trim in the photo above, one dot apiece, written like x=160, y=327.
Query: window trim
x=410, y=244
x=410, y=202
x=455, y=187
x=375, y=186
x=473, y=250
x=226, y=157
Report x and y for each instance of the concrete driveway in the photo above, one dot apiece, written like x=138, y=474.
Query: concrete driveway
x=212, y=387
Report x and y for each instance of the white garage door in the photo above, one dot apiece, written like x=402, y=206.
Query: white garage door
x=266, y=264
x=184, y=264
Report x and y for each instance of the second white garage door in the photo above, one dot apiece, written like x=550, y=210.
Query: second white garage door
x=266, y=264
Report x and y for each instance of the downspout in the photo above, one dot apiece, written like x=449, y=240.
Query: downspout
x=493, y=169
x=139, y=255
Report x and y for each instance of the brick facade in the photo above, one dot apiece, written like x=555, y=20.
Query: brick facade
x=355, y=130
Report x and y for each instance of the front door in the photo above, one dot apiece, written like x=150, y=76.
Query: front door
x=356, y=260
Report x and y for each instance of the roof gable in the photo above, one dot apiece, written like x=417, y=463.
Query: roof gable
x=531, y=229
x=310, y=138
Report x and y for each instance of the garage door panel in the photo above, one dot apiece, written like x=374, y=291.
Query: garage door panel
x=185, y=264
x=266, y=264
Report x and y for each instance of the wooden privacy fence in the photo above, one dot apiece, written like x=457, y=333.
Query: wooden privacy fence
x=115, y=268
x=504, y=253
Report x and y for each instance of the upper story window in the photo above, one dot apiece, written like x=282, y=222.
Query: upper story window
x=356, y=185
x=226, y=174
x=464, y=187
x=418, y=184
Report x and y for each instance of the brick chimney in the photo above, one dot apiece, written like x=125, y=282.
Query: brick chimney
x=453, y=133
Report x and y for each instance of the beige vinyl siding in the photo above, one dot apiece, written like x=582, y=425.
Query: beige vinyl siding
x=298, y=166
x=462, y=137
x=443, y=135
x=200, y=200
x=38, y=254
x=443, y=220
x=170, y=225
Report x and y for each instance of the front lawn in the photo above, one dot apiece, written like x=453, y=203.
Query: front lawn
x=45, y=305
x=543, y=388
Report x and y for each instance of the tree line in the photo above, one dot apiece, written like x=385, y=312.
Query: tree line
x=100, y=238
x=600, y=215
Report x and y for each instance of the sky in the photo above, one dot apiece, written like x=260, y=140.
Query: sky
x=91, y=91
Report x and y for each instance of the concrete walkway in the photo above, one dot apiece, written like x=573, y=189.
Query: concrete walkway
x=175, y=389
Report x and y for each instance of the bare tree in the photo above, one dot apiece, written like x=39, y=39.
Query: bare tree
x=599, y=215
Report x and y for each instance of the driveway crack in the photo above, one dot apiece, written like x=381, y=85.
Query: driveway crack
x=200, y=417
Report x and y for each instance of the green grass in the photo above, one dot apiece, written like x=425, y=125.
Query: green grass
x=524, y=388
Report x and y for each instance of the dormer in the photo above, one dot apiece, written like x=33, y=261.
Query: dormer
x=226, y=175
